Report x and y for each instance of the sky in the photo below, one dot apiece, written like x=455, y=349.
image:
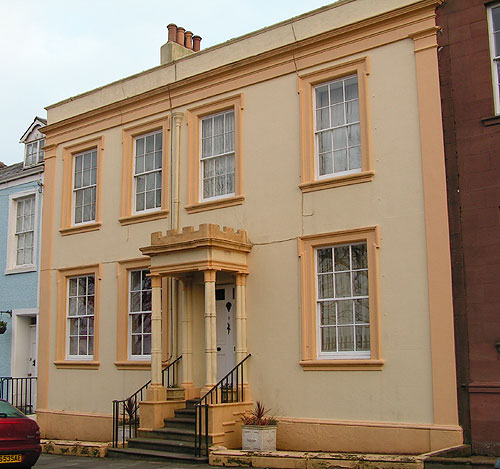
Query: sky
x=53, y=49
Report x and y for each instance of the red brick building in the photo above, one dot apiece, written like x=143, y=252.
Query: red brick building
x=469, y=74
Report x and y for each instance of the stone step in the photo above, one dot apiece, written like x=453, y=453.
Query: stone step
x=179, y=422
x=188, y=413
x=179, y=434
x=153, y=455
x=190, y=403
x=176, y=446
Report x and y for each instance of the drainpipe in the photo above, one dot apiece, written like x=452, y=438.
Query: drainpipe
x=173, y=290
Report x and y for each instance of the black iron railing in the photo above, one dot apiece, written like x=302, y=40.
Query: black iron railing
x=228, y=389
x=20, y=392
x=126, y=411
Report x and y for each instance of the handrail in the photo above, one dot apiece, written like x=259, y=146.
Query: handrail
x=126, y=410
x=231, y=388
x=20, y=392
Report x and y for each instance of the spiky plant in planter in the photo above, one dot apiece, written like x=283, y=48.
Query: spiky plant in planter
x=258, y=432
x=3, y=326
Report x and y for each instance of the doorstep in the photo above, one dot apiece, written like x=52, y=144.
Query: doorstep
x=312, y=460
x=93, y=449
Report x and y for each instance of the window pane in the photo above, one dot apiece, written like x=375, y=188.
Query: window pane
x=325, y=141
x=325, y=262
x=352, y=108
x=359, y=257
x=360, y=283
x=363, y=338
x=337, y=92
x=150, y=200
x=325, y=164
x=146, y=301
x=73, y=345
x=139, y=201
x=327, y=313
x=322, y=119
x=206, y=127
x=354, y=137
x=338, y=117
x=135, y=280
x=146, y=344
x=72, y=286
x=340, y=157
x=82, y=346
x=72, y=307
x=342, y=260
x=351, y=88
x=346, y=338
x=355, y=158
x=73, y=326
x=339, y=138
x=149, y=165
x=344, y=312
x=328, y=339
x=158, y=160
x=136, y=323
x=150, y=143
x=362, y=311
x=342, y=285
x=325, y=286
x=135, y=301
x=139, y=165
x=158, y=141
x=495, y=15
x=322, y=96
x=141, y=183
x=136, y=345
x=146, y=322
x=139, y=146
x=90, y=305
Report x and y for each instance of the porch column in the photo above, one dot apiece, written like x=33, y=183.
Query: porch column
x=210, y=330
x=156, y=392
x=187, y=334
x=241, y=322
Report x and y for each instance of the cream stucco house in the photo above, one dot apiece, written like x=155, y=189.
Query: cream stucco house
x=280, y=195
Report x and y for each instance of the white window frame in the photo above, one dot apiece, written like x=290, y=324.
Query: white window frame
x=352, y=354
x=11, y=264
x=131, y=356
x=69, y=356
x=38, y=155
x=155, y=171
x=345, y=125
x=495, y=58
x=82, y=188
x=214, y=157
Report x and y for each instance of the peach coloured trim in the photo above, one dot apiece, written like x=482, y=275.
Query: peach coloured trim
x=306, y=82
x=215, y=204
x=182, y=267
x=128, y=134
x=67, y=225
x=209, y=275
x=193, y=121
x=44, y=322
x=436, y=228
x=62, y=286
x=240, y=279
x=122, y=276
x=307, y=246
x=73, y=413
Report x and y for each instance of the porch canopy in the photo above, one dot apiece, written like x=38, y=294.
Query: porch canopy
x=179, y=254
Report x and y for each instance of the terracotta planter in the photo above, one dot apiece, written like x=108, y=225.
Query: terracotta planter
x=258, y=437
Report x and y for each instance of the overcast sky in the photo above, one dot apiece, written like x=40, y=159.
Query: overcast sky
x=53, y=49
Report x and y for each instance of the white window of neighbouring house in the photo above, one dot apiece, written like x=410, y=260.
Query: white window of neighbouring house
x=80, y=316
x=140, y=314
x=147, y=171
x=217, y=155
x=25, y=230
x=494, y=30
x=34, y=153
x=84, y=186
x=337, y=127
x=342, y=301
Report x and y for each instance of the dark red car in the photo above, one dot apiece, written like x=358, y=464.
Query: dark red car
x=19, y=438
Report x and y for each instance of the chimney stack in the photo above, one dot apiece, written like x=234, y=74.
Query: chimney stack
x=180, y=43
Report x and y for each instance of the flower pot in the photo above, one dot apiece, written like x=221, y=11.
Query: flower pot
x=258, y=437
x=3, y=328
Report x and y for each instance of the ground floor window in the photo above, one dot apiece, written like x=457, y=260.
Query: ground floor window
x=140, y=314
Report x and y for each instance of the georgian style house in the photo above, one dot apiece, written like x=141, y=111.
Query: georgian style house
x=279, y=199
x=21, y=191
x=470, y=40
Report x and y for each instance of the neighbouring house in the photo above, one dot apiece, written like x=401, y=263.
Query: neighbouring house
x=281, y=195
x=21, y=191
x=469, y=74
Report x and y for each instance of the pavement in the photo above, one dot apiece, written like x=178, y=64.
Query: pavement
x=55, y=461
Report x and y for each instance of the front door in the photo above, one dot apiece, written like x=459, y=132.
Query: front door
x=225, y=307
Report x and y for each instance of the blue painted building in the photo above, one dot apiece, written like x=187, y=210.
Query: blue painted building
x=21, y=191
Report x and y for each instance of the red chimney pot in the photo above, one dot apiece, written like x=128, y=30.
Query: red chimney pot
x=172, y=32
x=180, y=36
x=196, y=43
x=188, y=40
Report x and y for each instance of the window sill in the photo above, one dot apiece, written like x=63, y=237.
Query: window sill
x=21, y=269
x=80, y=228
x=77, y=364
x=215, y=204
x=142, y=217
x=133, y=365
x=348, y=179
x=339, y=365
x=493, y=120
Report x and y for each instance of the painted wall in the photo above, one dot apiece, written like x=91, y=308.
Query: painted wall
x=275, y=214
x=473, y=198
x=18, y=290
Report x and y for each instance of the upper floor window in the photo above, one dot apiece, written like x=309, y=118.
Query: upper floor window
x=337, y=127
x=34, y=152
x=84, y=186
x=494, y=29
x=217, y=155
x=148, y=171
x=25, y=230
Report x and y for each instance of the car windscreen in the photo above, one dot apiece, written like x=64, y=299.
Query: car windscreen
x=6, y=410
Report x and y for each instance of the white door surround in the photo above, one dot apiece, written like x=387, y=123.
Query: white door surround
x=24, y=344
